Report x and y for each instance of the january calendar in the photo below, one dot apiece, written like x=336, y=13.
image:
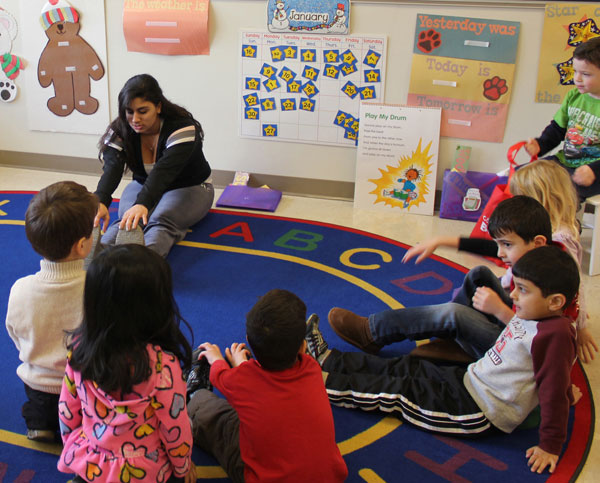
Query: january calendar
x=308, y=88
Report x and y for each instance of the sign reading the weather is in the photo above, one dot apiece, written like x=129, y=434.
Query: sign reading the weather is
x=309, y=16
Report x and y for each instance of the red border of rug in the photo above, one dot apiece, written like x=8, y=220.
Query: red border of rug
x=579, y=445
x=575, y=456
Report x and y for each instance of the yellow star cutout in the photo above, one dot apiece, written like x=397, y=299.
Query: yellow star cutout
x=267, y=104
x=349, y=58
x=290, y=52
x=332, y=72
x=252, y=113
x=569, y=73
x=268, y=71
x=276, y=54
x=269, y=131
x=355, y=125
x=271, y=84
x=367, y=93
x=249, y=51
x=294, y=86
x=288, y=105
x=348, y=69
x=251, y=100
x=287, y=76
x=351, y=136
x=307, y=105
x=3, y=213
x=309, y=90
x=252, y=84
x=331, y=56
x=347, y=121
x=372, y=76
x=350, y=90
x=340, y=118
x=583, y=34
x=372, y=59
x=308, y=56
x=310, y=73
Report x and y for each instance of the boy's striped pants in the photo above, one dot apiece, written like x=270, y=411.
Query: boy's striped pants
x=425, y=394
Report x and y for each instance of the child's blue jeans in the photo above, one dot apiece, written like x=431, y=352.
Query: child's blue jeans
x=473, y=330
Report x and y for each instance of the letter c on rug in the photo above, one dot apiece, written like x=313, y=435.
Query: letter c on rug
x=345, y=258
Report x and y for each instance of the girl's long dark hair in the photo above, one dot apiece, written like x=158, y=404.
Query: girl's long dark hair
x=145, y=87
x=128, y=303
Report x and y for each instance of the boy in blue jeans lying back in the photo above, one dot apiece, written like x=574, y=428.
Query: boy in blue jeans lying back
x=529, y=364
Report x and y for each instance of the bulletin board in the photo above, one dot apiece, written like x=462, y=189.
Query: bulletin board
x=308, y=88
x=566, y=25
x=466, y=67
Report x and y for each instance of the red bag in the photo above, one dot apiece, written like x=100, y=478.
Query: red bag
x=501, y=192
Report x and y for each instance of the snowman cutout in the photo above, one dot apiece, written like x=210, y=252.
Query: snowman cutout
x=10, y=64
x=280, y=17
x=339, y=21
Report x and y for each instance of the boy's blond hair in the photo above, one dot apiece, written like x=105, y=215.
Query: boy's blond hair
x=551, y=185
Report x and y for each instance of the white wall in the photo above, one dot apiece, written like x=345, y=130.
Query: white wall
x=208, y=87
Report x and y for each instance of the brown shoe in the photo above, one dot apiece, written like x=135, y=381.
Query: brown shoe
x=442, y=350
x=354, y=329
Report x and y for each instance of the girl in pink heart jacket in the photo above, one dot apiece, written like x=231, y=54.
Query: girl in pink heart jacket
x=122, y=407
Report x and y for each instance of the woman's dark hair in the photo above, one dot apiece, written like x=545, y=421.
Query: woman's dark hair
x=128, y=304
x=146, y=87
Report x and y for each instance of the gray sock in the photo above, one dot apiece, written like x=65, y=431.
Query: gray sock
x=96, y=247
x=135, y=236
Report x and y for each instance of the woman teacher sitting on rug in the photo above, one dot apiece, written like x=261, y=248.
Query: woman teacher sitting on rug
x=161, y=143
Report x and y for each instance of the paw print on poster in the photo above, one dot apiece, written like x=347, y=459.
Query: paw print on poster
x=429, y=40
x=494, y=88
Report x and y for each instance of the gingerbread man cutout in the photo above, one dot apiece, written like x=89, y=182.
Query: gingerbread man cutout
x=67, y=62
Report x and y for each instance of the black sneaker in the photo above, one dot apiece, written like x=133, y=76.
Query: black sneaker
x=198, y=377
x=41, y=435
x=315, y=343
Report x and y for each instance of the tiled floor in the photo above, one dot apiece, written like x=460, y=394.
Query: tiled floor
x=406, y=228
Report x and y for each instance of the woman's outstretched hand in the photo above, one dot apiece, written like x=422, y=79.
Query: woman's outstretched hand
x=133, y=216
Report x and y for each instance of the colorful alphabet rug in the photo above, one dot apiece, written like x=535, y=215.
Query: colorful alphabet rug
x=221, y=268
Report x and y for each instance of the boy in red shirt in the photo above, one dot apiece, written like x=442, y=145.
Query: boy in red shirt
x=276, y=424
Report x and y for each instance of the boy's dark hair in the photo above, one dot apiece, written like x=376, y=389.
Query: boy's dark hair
x=59, y=216
x=275, y=328
x=551, y=269
x=521, y=215
x=128, y=303
x=589, y=51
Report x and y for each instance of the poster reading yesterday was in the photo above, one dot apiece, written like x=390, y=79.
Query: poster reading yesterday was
x=397, y=157
x=465, y=66
x=308, y=88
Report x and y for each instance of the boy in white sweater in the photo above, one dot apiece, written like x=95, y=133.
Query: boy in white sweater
x=42, y=306
x=529, y=364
